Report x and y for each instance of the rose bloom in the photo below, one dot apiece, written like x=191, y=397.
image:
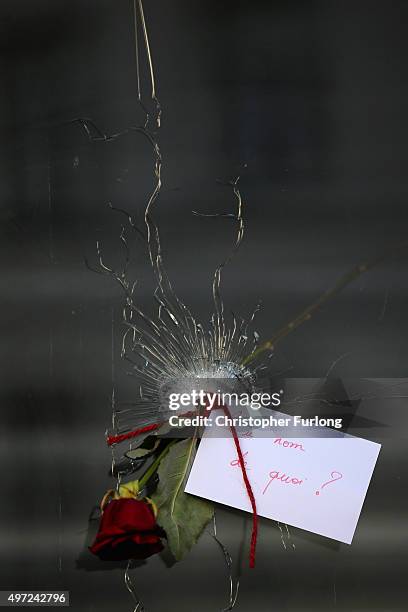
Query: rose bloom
x=127, y=530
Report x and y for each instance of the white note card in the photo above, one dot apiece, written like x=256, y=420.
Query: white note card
x=317, y=484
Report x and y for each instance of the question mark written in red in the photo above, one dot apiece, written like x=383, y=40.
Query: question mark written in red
x=334, y=476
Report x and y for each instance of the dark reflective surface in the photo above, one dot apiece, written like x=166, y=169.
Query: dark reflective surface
x=312, y=97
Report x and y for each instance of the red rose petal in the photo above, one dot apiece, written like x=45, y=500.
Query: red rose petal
x=128, y=530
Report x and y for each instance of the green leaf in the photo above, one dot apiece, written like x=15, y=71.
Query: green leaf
x=146, y=448
x=164, y=429
x=182, y=516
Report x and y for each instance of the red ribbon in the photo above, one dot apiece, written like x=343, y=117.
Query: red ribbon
x=250, y=493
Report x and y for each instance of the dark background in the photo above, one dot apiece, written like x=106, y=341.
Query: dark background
x=312, y=96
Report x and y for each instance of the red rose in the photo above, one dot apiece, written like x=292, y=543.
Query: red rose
x=128, y=530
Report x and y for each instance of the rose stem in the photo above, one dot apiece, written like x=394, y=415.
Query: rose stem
x=152, y=469
x=306, y=315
